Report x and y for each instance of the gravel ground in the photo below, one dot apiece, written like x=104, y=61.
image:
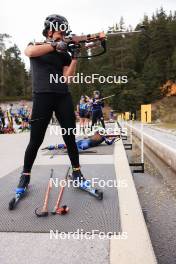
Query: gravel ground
x=157, y=193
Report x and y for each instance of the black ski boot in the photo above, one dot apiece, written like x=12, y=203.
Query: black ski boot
x=80, y=182
x=77, y=175
x=20, y=190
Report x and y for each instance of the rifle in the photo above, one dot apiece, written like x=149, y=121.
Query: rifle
x=88, y=42
x=104, y=98
x=101, y=99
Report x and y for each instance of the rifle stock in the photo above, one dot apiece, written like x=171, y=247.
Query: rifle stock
x=89, y=41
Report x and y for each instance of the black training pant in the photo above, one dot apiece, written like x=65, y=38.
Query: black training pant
x=44, y=104
x=97, y=115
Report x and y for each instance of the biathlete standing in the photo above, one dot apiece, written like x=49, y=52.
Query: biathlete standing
x=97, y=113
x=48, y=97
x=88, y=111
x=81, y=110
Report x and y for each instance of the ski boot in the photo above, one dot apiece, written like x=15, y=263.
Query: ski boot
x=80, y=182
x=20, y=190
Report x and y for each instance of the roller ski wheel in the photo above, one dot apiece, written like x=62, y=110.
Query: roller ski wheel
x=19, y=195
x=99, y=194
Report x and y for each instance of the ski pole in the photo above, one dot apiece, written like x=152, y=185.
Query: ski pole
x=44, y=211
x=63, y=209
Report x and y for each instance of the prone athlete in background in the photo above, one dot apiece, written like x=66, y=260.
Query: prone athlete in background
x=90, y=142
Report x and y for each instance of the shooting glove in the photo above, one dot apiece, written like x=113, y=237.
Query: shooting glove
x=74, y=49
x=59, y=45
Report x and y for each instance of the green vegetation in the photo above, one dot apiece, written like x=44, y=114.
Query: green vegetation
x=149, y=60
x=165, y=110
x=14, y=79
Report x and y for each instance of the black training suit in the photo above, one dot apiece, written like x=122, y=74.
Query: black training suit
x=49, y=97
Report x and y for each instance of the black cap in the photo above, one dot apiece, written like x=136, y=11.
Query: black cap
x=56, y=23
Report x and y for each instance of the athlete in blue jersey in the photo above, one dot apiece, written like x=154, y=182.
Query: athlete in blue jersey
x=90, y=142
x=82, y=109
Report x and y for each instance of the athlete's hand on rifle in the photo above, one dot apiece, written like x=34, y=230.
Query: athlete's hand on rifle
x=60, y=45
x=75, y=52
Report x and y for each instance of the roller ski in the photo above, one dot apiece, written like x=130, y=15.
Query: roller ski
x=85, y=185
x=20, y=191
x=61, y=210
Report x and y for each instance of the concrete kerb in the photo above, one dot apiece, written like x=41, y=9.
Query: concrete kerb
x=137, y=248
x=164, y=152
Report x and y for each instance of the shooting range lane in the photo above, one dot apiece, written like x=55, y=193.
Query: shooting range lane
x=86, y=212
